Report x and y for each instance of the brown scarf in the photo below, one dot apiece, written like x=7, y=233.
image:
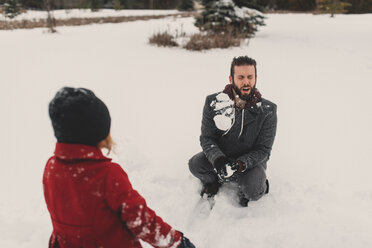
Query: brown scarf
x=241, y=103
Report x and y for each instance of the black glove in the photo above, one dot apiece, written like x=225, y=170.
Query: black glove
x=220, y=166
x=185, y=243
x=238, y=166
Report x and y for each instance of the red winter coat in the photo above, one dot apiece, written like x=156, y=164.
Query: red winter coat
x=93, y=205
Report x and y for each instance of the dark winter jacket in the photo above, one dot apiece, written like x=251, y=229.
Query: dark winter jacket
x=92, y=203
x=251, y=144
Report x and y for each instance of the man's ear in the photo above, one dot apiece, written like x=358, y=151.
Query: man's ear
x=230, y=79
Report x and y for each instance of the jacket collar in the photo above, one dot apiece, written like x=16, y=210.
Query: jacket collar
x=71, y=152
x=256, y=109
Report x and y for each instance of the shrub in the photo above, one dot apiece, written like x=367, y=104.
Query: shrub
x=224, y=16
x=163, y=39
x=207, y=41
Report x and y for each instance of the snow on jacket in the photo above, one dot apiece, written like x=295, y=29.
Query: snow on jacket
x=249, y=135
x=92, y=203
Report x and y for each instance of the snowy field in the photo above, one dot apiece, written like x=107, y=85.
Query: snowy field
x=87, y=13
x=317, y=69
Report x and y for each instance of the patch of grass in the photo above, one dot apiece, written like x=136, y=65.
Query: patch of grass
x=163, y=39
x=40, y=23
x=200, y=42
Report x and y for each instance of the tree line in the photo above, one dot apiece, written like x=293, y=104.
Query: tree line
x=97, y=4
x=352, y=6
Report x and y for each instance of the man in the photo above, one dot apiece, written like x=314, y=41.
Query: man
x=237, y=134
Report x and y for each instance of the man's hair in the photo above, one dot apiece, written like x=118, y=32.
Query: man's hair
x=242, y=60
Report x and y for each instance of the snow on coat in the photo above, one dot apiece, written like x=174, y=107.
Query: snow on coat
x=224, y=110
x=92, y=203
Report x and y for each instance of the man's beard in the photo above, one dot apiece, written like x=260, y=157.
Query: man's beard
x=245, y=97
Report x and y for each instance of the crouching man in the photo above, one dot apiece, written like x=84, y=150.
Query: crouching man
x=237, y=134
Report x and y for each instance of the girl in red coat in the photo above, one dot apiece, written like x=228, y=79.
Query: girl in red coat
x=90, y=199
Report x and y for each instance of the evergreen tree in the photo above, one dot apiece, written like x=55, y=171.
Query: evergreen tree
x=11, y=8
x=359, y=6
x=207, y=3
x=225, y=17
x=32, y=4
x=118, y=5
x=253, y=4
x=95, y=5
x=333, y=6
x=186, y=5
x=295, y=5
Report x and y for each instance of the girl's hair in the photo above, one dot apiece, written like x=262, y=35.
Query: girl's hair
x=107, y=143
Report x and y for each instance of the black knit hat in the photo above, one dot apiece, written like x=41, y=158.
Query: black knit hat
x=79, y=117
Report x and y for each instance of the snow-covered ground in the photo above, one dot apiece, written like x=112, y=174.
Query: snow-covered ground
x=317, y=69
x=87, y=13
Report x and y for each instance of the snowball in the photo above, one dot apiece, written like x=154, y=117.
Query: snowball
x=229, y=111
x=222, y=105
x=222, y=97
x=227, y=2
x=222, y=122
x=82, y=91
x=229, y=171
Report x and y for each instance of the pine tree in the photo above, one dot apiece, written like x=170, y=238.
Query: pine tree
x=207, y=3
x=333, y=6
x=11, y=8
x=118, y=5
x=253, y=4
x=95, y=5
x=186, y=5
x=225, y=17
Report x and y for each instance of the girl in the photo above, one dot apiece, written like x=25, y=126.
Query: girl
x=90, y=199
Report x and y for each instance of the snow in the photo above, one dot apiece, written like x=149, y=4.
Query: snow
x=87, y=13
x=317, y=70
x=243, y=11
x=229, y=172
x=223, y=97
x=222, y=122
x=224, y=110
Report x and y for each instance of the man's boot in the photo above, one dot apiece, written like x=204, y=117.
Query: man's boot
x=243, y=201
x=210, y=189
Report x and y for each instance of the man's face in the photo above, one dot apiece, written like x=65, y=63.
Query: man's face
x=244, y=79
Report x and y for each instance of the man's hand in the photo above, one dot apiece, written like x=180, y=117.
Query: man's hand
x=238, y=166
x=226, y=169
x=220, y=166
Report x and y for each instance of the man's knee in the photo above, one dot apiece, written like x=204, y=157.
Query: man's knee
x=201, y=168
x=194, y=163
x=252, y=183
